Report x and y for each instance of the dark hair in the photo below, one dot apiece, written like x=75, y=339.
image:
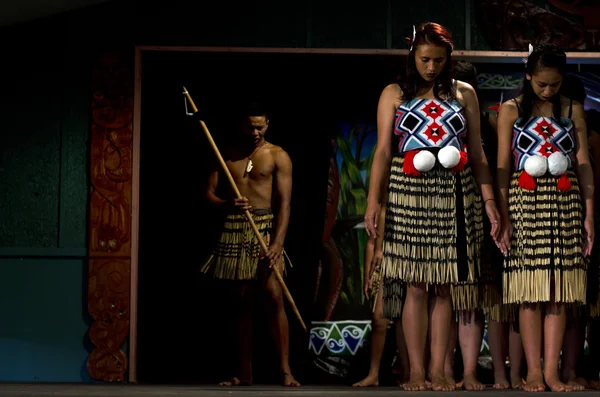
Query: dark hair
x=573, y=88
x=543, y=56
x=466, y=71
x=428, y=33
x=254, y=108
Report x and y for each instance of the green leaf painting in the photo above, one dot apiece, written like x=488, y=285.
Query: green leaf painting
x=355, y=149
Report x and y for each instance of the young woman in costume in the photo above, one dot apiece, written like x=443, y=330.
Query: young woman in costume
x=547, y=204
x=433, y=224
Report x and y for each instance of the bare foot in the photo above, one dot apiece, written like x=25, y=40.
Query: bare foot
x=235, y=381
x=502, y=385
x=534, y=383
x=576, y=385
x=470, y=382
x=518, y=385
x=450, y=378
x=402, y=375
x=583, y=382
x=415, y=383
x=439, y=383
x=516, y=382
x=555, y=384
x=369, y=381
x=500, y=381
x=290, y=381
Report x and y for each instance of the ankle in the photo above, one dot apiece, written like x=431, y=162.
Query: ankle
x=417, y=373
x=470, y=374
x=534, y=374
x=551, y=374
x=499, y=374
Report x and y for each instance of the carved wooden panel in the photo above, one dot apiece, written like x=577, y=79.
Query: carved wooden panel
x=110, y=214
x=514, y=24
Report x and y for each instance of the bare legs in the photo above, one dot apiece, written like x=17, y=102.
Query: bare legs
x=417, y=315
x=515, y=356
x=551, y=325
x=415, y=323
x=280, y=329
x=498, y=347
x=594, y=343
x=470, y=334
x=378, y=334
x=403, y=369
x=449, y=363
x=572, y=346
x=243, y=322
x=279, y=325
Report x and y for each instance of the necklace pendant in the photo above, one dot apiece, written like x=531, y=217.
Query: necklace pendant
x=249, y=166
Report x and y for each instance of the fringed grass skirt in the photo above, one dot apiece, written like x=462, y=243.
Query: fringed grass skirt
x=593, y=287
x=492, y=262
x=433, y=235
x=236, y=254
x=375, y=287
x=546, y=259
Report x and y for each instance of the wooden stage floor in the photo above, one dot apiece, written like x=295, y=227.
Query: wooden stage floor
x=121, y=390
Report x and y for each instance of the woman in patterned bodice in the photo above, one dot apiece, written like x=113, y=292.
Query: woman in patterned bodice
x=547, y=204
x=433, y=221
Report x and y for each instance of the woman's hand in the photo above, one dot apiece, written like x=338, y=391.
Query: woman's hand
x=588, y=242
x=494, y=217
x=507, y=231
x=372, y=219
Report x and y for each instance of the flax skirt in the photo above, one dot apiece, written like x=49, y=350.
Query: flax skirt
x=546, y=257
x=492, y=262
x=433, y=235
x=236, y=254
x=593, y=287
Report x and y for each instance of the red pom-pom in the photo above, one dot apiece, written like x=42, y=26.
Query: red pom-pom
x=464, y=159
x=409, y=165
x=564, y=184
x=526, y=181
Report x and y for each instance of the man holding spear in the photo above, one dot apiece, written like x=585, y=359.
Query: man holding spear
x=263, y=175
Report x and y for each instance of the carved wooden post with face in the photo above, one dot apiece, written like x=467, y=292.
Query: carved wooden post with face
x=110, y=215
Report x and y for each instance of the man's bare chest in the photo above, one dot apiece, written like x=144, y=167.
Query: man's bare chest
x=252, y=168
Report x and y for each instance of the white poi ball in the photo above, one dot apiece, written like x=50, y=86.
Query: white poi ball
x=557, y=163
x=424, y=161
x=536, y=166
x=449, y=156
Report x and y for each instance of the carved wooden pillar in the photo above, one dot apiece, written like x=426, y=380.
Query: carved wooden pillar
x=110, y=214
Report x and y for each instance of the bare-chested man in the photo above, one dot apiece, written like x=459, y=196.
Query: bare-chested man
x=263, y=174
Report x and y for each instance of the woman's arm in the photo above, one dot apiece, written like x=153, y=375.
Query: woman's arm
x=585, y=175
x=378, y=178
x=594, y=143
x=477, y=158
x=506, y=119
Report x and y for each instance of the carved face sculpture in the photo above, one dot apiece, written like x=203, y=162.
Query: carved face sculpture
x=430, y=60
x=545, y=82
x=254, y=129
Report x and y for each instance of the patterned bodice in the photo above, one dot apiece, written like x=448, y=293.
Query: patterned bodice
x=422, y=123
x=542, y=136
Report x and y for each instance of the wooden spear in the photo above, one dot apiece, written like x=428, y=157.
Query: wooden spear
x=263, y=245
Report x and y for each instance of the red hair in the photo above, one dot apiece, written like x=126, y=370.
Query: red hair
x=436, y=34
